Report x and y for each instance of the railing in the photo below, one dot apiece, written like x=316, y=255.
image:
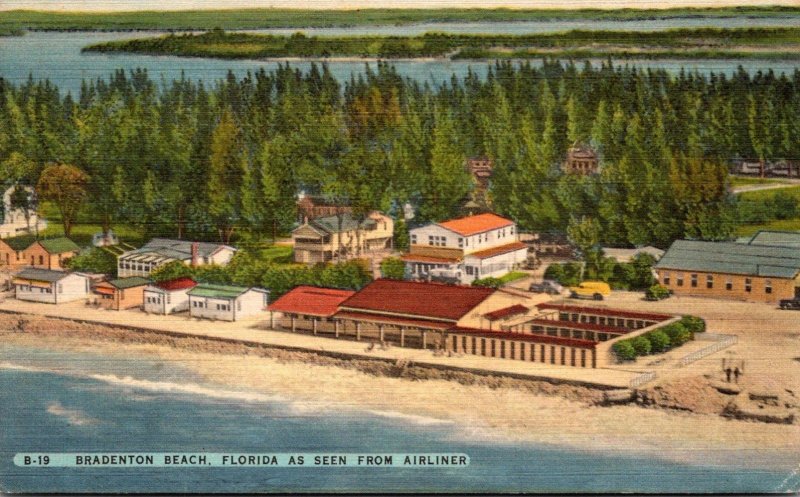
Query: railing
x=642, y=379
x=722, y=342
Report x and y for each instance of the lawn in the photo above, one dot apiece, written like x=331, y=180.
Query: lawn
x=777, y=225
x=513, y=276
x=761, y=195
x=748, y=180
x=278, y=254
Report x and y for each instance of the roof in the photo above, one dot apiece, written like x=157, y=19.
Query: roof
x=413, y=298
x=776, y=239
x=37, y=274
x=20, y=243
x=495, y=251
x=123, y=283
x=336, y=224
x=472, y=225
x=732, y=258
x=175, y=249
x=421, y=323
x=219, y=291
x=605, y=311
x=59, y=245
x=506, y=312
x=311, y=300
x=524, y=337
x=176, y=284
x=626, y=254
x=428, y=259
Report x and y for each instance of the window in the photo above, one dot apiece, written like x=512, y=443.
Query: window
x=729, y=284
x=60, y=288
x=430, y=240
x=694, y=280
x=709, y=281
x=666, y=279
x=41, y=259
x=469, y=270
x=413, y=239
x=460, y=242
x=169, y=299
x=679, y=279
x=767, y=286
x=238, y=305
x=748, y=284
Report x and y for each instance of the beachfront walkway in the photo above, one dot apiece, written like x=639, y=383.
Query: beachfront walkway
x=248, y=331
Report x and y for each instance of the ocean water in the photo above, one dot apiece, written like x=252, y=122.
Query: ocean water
x=79, y=402
x=57, y=57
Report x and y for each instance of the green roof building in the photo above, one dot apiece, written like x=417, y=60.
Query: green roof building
x=226, y=302
x=764, y=269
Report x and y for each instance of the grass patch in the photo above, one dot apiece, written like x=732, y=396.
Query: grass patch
x=776, y=225
x=277, y=254
x=777, y=43
x=763, y=195
x=747, y=181
x=290, y=18
x=513, y=276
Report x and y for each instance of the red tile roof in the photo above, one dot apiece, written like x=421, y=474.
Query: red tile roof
x=502, y=249
x=313, y=301
x=505, y=335
x=177, y=284
x=417, y=299
x=381, y=318
x=604, y=311
x=472, y=225
x=578, y=326
x=432, y=260
x=506, y=312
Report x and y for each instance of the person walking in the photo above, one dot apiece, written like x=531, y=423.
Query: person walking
x=728, y=374
x=736, y=374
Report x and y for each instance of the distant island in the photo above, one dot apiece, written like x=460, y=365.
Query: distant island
x=289, y=18
x=703, y=43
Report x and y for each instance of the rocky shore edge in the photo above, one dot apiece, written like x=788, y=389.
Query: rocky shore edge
x=698, y=395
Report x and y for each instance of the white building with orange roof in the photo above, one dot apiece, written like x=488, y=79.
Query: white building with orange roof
x=465, y=249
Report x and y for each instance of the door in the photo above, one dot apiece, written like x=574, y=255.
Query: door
x=797, y=292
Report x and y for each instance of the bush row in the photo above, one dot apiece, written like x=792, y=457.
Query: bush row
x=659, y=340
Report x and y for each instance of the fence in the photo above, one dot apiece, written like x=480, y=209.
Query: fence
x=642, y=379
x=721, y=342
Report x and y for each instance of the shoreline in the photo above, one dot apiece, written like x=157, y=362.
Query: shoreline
x=498, y=409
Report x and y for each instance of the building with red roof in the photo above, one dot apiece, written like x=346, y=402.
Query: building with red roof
x=168, y=297
x=465, y=249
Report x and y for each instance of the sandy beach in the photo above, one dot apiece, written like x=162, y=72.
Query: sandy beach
x=500, y=410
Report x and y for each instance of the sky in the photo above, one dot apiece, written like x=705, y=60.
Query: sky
x=127, y=5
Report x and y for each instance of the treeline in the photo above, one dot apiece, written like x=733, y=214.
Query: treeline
x=226, y=161
x=708, y=42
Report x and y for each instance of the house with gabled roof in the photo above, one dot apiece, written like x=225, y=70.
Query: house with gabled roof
x=226, y=302
x=465, y=249
x=168, y=297
x=761, y=270
x=50, y=253
x=341, y=237
x=160, y=251
x=121, y=293
x=49, y=286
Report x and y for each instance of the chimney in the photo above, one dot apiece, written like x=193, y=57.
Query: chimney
x=195, y=254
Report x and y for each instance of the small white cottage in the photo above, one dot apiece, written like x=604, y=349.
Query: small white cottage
x=226, y=303
x=168, y=297
x=50, y=287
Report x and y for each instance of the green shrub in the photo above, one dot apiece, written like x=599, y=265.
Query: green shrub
x=658, y=340
x=641, y=345
x=95, y=260
x=490, y=282
x=170, y=271
x=393, y=268
x=677, y=333
x=693, y=324
x=656, y=292
x=624, y=350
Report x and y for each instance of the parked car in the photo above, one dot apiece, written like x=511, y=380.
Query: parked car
x=549, y=287
x=790, y=303
x=596, y=290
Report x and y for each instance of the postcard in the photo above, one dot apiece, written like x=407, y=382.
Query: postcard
x=399, y=247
